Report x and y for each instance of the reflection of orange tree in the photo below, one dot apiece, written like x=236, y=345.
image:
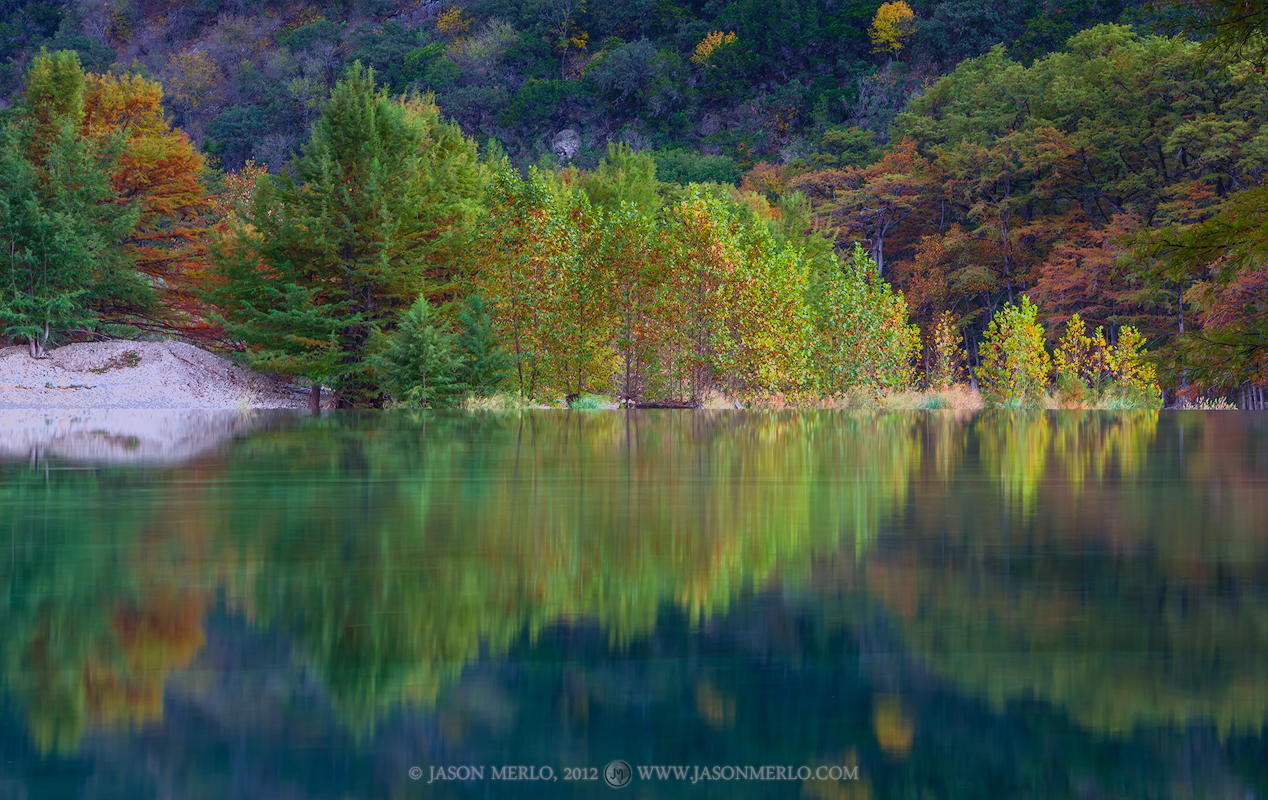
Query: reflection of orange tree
x=513, y=524
x=1113, y=662
x=1162, y=630
x=153, y=639
x=104, y=598
x=79, y=666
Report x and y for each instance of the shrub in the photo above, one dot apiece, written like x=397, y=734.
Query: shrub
x=1080, y=358
x=589, y=402
x=1015, y=365
x=945, y=351
x=1129, y=368
x=651, y=80
x=1090, y=369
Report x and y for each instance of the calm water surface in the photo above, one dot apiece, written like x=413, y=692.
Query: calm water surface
x=274, y=606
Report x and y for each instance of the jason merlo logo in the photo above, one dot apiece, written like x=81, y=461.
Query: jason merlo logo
x=618, y=774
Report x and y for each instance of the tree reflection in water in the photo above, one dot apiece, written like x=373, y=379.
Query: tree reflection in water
x=1076, y=559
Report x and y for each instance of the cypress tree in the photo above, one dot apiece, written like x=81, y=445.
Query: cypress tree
x=61, y=222
x=342, y=245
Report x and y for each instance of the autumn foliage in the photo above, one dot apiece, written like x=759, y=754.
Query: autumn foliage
x=161, y=171
x=1049, y=181
x=892, y=26
x=710, y=44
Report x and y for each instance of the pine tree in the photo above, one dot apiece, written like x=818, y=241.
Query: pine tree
x=376, y=202
x=420, y=365
x=61, y=223
x=485, y=364
x=102, y=144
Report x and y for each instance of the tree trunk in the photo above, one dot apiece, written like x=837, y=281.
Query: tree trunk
x=35, y=345
x=314, y=399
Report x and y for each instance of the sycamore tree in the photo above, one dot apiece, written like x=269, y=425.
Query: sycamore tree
x=545, y=274
x=1014, y=364
x=337, y=249
x=733, y=301
x=61, y=222
x=864, y=338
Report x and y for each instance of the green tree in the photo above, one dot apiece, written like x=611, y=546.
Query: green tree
x=61, y=222
x=484, y=364
x=864, y=338
x=420, y=364
x=1014, y=364
x=623, y=176
x=368, y=219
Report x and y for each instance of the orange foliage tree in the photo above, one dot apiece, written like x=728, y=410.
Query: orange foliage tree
x=161, y=170
x=895, y=200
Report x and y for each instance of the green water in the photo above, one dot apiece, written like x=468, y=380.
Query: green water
x=999, y=605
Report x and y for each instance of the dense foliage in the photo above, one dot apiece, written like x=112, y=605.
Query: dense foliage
x=652, y=202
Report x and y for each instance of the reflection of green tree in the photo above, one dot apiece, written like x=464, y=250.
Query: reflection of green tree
x=1014, y=448
x=1135, y=597
x=63, y=578
x=398, y=548
x=1143, y=649
x=1093, y=445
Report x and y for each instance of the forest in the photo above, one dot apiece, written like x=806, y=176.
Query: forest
x=792, y=204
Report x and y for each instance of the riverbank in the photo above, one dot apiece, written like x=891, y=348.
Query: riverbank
x=137, y=375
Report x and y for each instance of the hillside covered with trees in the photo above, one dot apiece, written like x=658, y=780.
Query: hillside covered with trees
x=803, y=199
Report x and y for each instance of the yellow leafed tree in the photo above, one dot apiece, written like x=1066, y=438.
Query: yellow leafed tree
x=892, y=26
x=711, y=43
x=454, y=22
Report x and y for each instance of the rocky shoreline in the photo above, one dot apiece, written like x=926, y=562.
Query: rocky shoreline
x=137, y=375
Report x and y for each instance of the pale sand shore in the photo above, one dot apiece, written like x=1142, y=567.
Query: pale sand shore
x=136, y=375
x=129, y=402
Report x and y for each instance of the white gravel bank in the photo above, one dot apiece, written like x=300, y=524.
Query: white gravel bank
x=119, y=435
x=136, y=375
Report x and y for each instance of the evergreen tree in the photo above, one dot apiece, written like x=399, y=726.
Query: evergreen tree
x=373, y=205
x=61, y=222
x=420, y=365
x=485, y=364
x=624, y=176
